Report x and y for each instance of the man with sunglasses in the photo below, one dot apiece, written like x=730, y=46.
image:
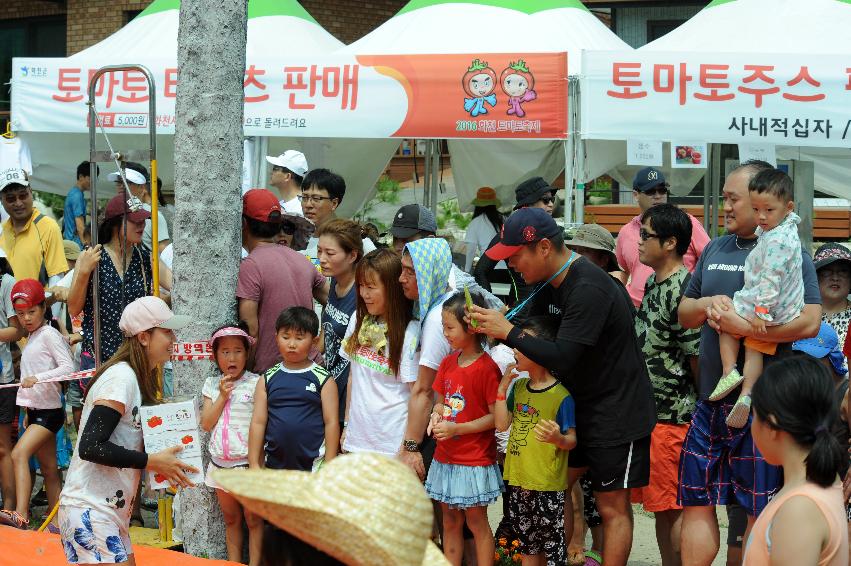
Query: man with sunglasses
x=650, y=189
x=288, y=171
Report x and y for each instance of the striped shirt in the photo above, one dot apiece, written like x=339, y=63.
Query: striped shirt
x=229, y=438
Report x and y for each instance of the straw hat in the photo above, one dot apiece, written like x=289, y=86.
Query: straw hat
x=486, y=196
x=362, y=509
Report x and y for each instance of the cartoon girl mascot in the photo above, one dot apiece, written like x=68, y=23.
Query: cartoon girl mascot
x=479, y=82
x=518, y=83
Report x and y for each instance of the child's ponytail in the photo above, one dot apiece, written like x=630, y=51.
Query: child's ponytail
x=796, y=395
x=825, y=457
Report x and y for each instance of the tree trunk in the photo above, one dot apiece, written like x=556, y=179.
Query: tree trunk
x=208, y=164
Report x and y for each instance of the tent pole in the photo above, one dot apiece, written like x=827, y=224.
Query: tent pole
x=426, y=172
x=568, y=180
x=435, y=175
x=579, y=151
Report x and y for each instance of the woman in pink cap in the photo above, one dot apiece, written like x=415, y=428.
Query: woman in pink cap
x=226, y=415
x=103, y=479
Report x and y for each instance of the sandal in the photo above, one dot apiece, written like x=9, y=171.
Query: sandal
x=13, y=519
x=593, y=558
x=738, y=416
x=726, y=385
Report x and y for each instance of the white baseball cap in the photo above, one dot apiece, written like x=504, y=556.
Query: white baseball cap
x=13, y=176
x=292, y=160
x=132, y=176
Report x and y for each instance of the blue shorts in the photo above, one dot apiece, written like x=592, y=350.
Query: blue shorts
x=721, y=465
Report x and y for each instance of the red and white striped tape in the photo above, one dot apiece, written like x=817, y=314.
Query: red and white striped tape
x=181, y=352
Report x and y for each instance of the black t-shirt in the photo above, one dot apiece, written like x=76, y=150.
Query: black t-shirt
x=609, y=381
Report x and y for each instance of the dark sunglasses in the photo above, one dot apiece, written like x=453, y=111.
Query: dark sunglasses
x=657, y=191
x=288, y=228
x=645, y=235
x=548, y=200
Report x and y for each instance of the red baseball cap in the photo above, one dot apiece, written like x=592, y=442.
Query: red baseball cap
x=525, y=226
x=261, y=205
x=28, y=293
x=122, y=204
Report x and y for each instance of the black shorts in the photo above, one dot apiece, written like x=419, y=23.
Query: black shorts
x=614, y=467
x=51, y=419
x=8, y=409
x=737, y=519
x=537, y=518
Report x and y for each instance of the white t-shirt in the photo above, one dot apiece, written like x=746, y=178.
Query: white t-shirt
x=109, y=490
x=433, y=345
x=378, y=412
x=229, y=438
x=162, y=229
x=480, y=232
x=292, y=206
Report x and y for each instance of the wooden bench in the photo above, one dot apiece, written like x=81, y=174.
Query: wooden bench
x=829, y=223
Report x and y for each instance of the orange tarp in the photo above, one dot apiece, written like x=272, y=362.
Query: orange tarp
x=30, y=548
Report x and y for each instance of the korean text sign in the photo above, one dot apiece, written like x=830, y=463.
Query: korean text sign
x=722, y=97
x=483, y=95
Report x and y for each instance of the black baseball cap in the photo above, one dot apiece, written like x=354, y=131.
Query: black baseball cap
x=531, y=191
x=525, y=226
x=648, y=178
x=411, y=219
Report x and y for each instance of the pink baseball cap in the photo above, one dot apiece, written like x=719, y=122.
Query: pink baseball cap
x=147, y=313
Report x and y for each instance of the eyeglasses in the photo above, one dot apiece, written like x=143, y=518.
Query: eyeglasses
x=645, y=235
x=288, y=228
x=661, y=191
x=316, y=199
x=548, y=200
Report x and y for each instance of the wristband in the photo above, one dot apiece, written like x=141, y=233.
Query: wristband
x=500, y=396
x=760, y=310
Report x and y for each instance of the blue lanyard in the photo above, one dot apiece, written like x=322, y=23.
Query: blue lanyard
x=513, y=312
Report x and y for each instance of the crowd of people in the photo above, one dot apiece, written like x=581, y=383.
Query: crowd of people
x=610, y=373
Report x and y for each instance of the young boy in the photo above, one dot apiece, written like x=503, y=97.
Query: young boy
x=773, y=293
x=295, y=410
x=541, y=414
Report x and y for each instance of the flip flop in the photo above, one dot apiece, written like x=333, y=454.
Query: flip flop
x=593, y=558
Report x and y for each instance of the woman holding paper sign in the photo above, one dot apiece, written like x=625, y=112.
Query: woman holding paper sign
x=96, y=503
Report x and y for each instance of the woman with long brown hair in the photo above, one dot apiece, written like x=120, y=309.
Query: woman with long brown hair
x=377, y=396
x=103, y=479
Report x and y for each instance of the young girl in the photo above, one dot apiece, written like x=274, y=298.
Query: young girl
x=378, y=392
x=10, y=331
x=464, y=476
x=541, y=414
x=226, y=415
x=45, y=356
x=773, y=292
x=805, y=522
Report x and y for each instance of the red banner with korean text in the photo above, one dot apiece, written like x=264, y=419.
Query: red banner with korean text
x=783, y=99
x=477, y=96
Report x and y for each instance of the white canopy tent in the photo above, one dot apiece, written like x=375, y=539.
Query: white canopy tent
x=495, y=26
x=276, y=28
x=747, y=31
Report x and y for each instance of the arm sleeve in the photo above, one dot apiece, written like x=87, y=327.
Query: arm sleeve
x=211, y=388
x=434, y=346
x=566, y=416
x=439, y=385
x=78, y=205
x=693, y=289
x=162, y=228
x=699, y=237
x=490, y=383
x=94, y=445
x=509, y=399
x=559, y=356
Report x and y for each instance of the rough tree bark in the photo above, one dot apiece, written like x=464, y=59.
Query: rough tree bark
x=208, y=164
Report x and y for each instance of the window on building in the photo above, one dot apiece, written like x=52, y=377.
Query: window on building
x=28, y=37
x=658, y=28
x=130, y=14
